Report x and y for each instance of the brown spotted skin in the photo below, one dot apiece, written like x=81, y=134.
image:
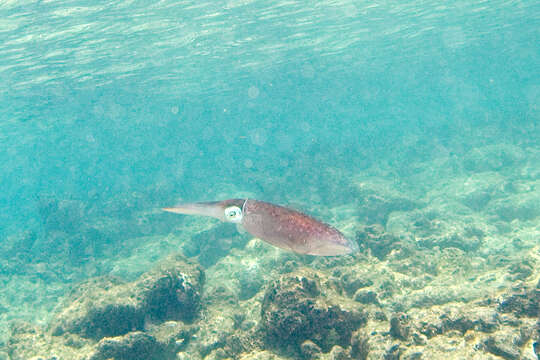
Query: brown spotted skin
x=277, y=225
x=292, y=230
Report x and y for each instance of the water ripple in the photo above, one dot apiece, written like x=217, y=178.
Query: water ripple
x=179, y=41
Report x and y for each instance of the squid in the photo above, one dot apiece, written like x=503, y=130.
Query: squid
x=280, y=226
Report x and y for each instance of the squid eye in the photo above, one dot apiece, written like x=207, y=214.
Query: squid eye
x=233, y=214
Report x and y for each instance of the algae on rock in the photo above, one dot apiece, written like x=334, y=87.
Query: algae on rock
x=293, y=311
x=110, y=307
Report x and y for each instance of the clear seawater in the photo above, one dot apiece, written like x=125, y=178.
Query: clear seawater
x=110, y=110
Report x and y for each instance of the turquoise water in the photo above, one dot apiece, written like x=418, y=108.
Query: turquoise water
x=419, y=120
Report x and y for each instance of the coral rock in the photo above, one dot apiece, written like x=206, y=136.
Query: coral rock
x=400, y=326
x=133, y=346
x=293, y=311
x=110, y=307
x=503, y=347
x=310, y=350
x=526, y=304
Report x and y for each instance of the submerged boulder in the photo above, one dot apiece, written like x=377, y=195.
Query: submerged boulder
x=400, y=327
x=209, y=246
x=30, y=341
x=526, y=304
x=377, y=240
x=133, y=346
x=171, y=291
x=493, y=158
x=460, y=319
x=433, y=227
x=100, y=307
x=294, y=311
x=107, y=307
x=503, y=345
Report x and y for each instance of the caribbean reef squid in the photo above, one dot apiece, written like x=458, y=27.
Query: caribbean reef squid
x=280, y=226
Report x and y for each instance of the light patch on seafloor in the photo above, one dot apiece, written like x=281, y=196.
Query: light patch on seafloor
x=258, y=137
x=253, y=92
